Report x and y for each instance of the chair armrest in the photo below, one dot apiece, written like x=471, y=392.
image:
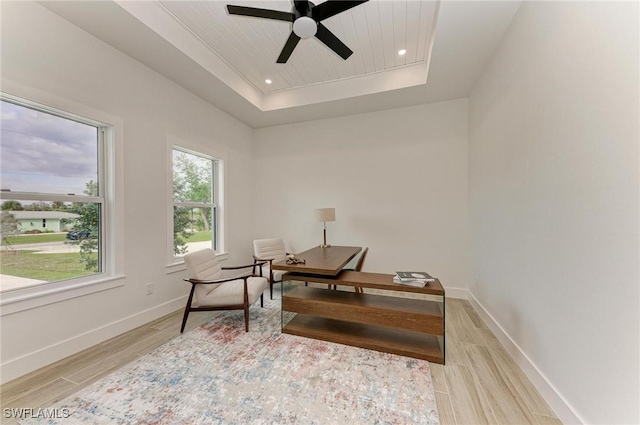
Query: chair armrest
x=259, y=262
x=237, y=267
x=205, y=282
x=253, y=267
x=264, y=260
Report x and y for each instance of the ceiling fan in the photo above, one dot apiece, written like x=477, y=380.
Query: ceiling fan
x=306, y=18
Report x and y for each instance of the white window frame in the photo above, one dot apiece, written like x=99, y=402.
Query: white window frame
x=203, y=150
x=111, y=198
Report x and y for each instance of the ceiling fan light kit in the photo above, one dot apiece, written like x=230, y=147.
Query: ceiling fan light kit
x=305, y=27
x=306, y=18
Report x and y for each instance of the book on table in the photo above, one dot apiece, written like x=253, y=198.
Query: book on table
x=416, y=283
x=413, y=276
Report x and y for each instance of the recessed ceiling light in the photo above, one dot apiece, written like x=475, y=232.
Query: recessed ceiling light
x=268, y=81
x=402, y=52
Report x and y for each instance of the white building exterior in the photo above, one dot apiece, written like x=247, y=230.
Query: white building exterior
x=56, y=221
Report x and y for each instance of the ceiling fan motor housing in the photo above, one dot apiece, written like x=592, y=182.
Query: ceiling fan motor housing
x=306, y=18
x=304, y=26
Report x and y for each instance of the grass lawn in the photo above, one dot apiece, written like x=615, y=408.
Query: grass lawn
x=41, y=238
x=59, y=237
x=199, y=237
x=48, y=267
x=52, y=267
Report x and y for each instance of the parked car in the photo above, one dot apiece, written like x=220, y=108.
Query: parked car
x=75, y=235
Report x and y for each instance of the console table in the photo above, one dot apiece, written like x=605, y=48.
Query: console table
x=405, y=326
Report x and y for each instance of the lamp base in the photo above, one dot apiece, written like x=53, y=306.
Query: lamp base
x=325, y=246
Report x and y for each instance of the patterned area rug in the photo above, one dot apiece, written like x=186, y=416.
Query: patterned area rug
x=219, y=374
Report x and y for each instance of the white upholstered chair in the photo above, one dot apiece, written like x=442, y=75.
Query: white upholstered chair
x=270, y=251
x=211, y=290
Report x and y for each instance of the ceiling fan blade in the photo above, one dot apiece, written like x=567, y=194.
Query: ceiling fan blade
x=261, y=13
x=302, y=6
x=329, y=8
x=291, y=44
x=332, y=41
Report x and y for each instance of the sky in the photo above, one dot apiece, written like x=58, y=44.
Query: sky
x=43, y=153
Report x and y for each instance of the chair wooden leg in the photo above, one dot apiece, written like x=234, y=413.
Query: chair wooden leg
x=184, y=318
x=270, y=281
x=246, y=306
x=262, y=300
x=246, y=318
x=187, y=308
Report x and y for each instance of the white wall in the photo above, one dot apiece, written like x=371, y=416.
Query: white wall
x=398, y=180
x=44, y=52
x=554, y=200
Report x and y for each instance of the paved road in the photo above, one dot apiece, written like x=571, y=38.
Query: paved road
x=45, y=247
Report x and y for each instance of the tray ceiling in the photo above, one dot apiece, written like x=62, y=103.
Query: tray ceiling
x=170, y=38
x=375, y=31
x=242, y=51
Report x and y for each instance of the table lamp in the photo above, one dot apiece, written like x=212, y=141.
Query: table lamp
x=324, y=215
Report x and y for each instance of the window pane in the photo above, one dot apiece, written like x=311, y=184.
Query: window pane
x=192, y=229
x=44, y=153
x=68, y=246
x=192, y=178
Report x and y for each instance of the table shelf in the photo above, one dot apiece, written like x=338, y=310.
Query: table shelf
x=405, y=326
x=402, y=313
x=387, y=340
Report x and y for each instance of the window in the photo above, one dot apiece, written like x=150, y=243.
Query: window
x=52, y=171
x=196, y=202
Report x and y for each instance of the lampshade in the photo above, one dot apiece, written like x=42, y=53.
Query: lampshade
x=326, y=214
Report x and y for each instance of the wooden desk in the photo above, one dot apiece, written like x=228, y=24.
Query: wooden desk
x=404, y=326
x=323, y=261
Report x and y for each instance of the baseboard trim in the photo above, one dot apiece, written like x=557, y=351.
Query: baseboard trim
x=27, y=363
x=556, y=401
x=459, y=293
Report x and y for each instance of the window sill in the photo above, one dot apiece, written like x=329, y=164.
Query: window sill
x=25, y=299
x=179, y=266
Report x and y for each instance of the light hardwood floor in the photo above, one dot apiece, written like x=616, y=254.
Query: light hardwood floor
x=480, y=383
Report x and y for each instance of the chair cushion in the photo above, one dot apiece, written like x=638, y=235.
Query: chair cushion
x=232, y=293
x=203, y=265
x=277, y=274
x=270, y=248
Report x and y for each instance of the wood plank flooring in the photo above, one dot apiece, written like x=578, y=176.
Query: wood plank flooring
x=480, y=383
